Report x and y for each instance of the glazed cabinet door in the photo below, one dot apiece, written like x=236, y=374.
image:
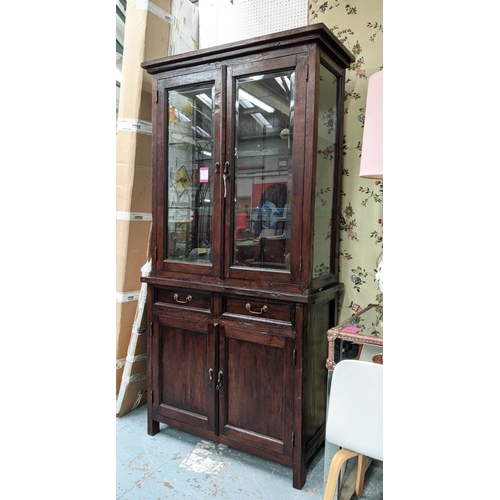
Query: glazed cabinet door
x=183, y=373
x=187, y=146
x=266, y=165
x=256, y=390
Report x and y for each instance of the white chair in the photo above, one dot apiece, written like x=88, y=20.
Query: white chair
x=354, y=420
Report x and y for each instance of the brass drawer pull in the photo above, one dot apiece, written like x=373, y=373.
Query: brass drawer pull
x=188, y=299
x=263, y=309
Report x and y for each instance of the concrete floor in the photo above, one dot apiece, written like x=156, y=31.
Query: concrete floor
x=177, y=465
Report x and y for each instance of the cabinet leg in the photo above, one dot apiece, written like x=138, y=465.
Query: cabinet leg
x=299, y=476
x=153, y=427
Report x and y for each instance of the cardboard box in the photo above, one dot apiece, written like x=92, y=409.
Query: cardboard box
x=132, y=239
x=147, y=36
x=152, y=30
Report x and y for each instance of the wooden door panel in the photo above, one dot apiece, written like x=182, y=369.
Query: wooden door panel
x=185, y=391
x=255, y=378
x=252, y=398
x=181, y=373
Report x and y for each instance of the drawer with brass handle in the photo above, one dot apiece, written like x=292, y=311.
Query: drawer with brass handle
x=184, y=298
x=257, y=308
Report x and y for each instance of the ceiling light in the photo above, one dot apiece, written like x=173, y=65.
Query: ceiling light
x=205, y=99
x=261, y=120
x=242, y=94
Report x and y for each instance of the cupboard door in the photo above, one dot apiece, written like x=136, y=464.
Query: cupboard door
x=183, y=371
x=188, y=142
x=255, y=390
x=265, y=131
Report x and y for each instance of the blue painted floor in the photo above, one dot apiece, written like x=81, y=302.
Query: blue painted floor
x=174, y=464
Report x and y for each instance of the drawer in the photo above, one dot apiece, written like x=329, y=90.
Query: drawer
x=260, y=309
x=184, y=298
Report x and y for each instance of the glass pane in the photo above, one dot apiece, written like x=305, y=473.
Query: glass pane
x=190, y=174
x=325, y=161
x=263, y=170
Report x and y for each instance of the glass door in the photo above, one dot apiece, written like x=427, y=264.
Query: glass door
x=327, y=154
x=189, y=212
x=263, y=145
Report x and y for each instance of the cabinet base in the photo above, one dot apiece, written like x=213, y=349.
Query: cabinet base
x=299, y=469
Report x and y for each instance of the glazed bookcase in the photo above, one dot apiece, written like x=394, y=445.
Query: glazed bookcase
x=247, y=150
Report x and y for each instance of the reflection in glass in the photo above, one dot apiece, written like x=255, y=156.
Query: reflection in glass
x=325, y=167
x=263, y=170
x=190, y=174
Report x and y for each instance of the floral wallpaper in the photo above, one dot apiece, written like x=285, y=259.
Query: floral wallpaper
x=358, y=25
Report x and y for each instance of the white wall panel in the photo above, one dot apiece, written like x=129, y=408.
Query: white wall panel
x=224, y=21
x=216, y=22
x=261, y=17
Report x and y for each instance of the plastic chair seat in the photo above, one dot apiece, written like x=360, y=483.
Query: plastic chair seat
x=355, y=418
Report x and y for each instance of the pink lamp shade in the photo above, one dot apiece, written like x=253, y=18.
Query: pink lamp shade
x=371, y=151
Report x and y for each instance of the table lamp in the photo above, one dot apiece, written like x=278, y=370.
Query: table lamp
x=371, y=151
x=371, y=166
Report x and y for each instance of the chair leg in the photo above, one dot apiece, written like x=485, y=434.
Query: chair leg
x=360, y=476
x=338, y=459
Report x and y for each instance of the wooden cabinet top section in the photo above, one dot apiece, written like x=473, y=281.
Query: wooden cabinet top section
x=314, y=33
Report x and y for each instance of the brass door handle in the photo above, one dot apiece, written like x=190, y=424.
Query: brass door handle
x=263, y=309
x=188, y=299
x=219, y=380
